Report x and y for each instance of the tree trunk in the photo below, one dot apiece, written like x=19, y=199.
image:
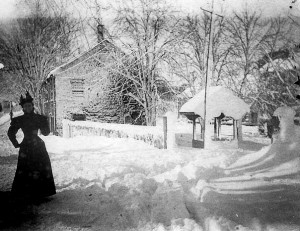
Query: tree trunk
x=150, y=113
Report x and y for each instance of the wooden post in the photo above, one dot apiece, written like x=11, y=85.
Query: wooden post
x=194, y=128
x=165, y=128
x=70, y=131
x=239, y=130
x=215, y=128
x=219, y=128
x=201, y=125
x=234, y=129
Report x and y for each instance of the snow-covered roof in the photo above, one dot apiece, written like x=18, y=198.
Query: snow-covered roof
x=219, y=100
x=283, y=64
x=187, y=93
x=100, y=47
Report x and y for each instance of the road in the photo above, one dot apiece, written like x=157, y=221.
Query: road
x=8, y=159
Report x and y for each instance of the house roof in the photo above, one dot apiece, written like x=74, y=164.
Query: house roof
x=284, y=64
x=219, y=100
x=280, y=54
x=187, y=93
x=104, y=46
x=283, y=58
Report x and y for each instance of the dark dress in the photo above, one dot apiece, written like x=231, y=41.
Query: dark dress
x=34, y=176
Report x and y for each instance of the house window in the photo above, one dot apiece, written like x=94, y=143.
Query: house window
x=77, y=87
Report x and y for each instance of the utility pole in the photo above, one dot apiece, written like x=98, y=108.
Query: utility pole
x=209, y=73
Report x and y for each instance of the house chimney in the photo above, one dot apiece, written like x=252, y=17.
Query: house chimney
x=100, y=33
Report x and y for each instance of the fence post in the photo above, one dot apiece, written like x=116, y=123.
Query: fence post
x=171, y=124
x=70, y=130
x=66, y=129
x=165, y=128
x=239, y=130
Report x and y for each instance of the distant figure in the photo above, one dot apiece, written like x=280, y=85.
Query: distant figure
x=33, y=178
x=273, y=127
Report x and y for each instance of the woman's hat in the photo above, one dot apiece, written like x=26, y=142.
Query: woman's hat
x=27, y=99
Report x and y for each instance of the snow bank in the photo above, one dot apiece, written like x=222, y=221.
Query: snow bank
x=168, y=204
x=150, y=135
x=265, y=176
x=130, y=185
x=125, y=183
x=102, y=158
x=126, y=169
x=5, y=118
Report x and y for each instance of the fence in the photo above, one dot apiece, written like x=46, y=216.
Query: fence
x=157, y=136
x=150, y=135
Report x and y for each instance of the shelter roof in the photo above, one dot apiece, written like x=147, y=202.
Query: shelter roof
x=219, y=100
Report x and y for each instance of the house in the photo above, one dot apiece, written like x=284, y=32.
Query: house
x=83, y=86
x=72, y=85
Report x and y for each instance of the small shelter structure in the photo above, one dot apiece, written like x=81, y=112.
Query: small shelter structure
x=220, y=102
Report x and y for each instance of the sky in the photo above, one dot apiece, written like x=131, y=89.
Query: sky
x=6, y=8
x=268, y=7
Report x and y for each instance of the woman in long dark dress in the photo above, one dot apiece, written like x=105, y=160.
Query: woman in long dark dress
x=33, y=178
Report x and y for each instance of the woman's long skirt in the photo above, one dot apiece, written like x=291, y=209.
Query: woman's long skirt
x=34, y=176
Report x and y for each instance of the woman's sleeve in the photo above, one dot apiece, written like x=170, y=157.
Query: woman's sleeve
x=12, y=131
x=44, y=125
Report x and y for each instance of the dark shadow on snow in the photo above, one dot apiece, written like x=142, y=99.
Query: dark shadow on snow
x=267, y=213
x=16, y=212
x=250, y=145
x=83, y=204
x=88, y=206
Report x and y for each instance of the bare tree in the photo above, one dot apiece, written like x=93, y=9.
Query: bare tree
x=33, y=45
x=190, y=62
x=245, y=32
x=278, y=66
x=261, y=64
x=145, y=31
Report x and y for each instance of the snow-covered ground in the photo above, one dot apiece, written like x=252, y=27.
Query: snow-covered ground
x=125, y=184
x=5, y=117
x=121, y=183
